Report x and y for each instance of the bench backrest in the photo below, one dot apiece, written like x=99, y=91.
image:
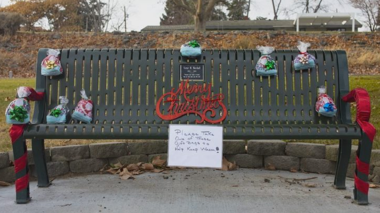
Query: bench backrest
x=125, y=84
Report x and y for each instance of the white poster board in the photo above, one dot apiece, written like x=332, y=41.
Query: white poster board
x=195, y=146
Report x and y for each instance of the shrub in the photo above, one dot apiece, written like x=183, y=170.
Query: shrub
x=10, y=23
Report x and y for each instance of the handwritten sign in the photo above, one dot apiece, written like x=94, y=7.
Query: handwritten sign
x=195, y=146
x=192, y=72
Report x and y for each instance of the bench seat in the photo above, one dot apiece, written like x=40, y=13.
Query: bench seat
x=157, y=131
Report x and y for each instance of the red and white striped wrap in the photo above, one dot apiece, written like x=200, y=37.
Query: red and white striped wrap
x=20, y=153
x=363, y=113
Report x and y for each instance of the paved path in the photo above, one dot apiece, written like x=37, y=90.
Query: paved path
x=192, y=190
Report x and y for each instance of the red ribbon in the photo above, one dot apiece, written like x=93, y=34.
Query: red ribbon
x=363, y=114
x=20, y=163
x=16, y=131
x=22, y=183
x=363, y=110
x=361, y=185
x=362, y=167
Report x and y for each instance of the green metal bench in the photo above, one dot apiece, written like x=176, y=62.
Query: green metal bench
x=125, y=86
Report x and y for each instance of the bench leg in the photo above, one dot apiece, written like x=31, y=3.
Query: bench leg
x=21, y=164
x=38, y=148
x=363, y=156
x=342, y=164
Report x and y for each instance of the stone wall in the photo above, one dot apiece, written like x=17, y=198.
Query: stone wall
x=268, y=154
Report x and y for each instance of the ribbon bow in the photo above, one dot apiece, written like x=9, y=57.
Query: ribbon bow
x=193, y=44
x=18, y=113
x=56, y=112
x=328, y=107
x=50, y=64
x=269, y=65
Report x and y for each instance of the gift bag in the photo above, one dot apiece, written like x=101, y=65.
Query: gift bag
x=83, y=110
x=265, y=66
x=18, y=112
x=51, y=65
x=191, y=49
x=304, y=60
x=59, y=113
x=325, y=104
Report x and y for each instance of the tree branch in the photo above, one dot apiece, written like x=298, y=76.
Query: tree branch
x=318, y=6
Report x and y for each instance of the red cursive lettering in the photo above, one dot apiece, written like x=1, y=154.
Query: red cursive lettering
x=198, y=100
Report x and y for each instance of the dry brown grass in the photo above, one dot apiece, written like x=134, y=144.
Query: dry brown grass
x=18, y=53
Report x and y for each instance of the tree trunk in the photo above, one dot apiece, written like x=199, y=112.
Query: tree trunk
x=202, y=15
x=200, y=24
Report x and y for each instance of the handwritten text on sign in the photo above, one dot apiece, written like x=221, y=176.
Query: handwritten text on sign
x=195, y=146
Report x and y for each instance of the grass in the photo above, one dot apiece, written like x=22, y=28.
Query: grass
x=8, y=91
x=7, y=94
x=372, y=85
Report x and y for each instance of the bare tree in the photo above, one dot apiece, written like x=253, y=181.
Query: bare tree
x=276, y=9
x=200, y=9
x=370, y=10
x=249, y=7
x=312, y=6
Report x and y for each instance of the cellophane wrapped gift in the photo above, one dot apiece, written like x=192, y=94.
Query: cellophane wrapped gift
x=325, y=104
x=191, y=49
x=83, y=110
x=304, y=60
x=18, y=112
x=265, y=66
x=51, y=65
x=58, y=115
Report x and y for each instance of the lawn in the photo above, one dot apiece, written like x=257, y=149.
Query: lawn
x=8, y=90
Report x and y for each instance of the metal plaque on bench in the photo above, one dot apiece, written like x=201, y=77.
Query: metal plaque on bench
x=194, y=72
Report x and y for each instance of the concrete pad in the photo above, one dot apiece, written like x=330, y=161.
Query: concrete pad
x=191, y=190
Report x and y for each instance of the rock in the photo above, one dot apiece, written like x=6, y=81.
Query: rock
x=126, y=40
x=69, y=153
x=375, y=157
x=57, y=168
x=282, y=162
x=323, y=43
x=56, y=36
x=332, y=152
x=30, y=156
x=129, y=159
x=246, y=160
x=321, y=166
x=4, y=160
x=108, y=150
x=150, y=44
x=163, y=156
x=147, y=147
x=306, y=150
x=8, y=174
x=87, y=165
x=233, y=147
x=266, y=147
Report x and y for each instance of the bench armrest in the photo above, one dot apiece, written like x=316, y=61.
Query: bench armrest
x=39, y=109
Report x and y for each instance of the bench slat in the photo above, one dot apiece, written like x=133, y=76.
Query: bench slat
x=126, y=84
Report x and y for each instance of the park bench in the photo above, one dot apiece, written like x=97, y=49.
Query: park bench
x=128, y=90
